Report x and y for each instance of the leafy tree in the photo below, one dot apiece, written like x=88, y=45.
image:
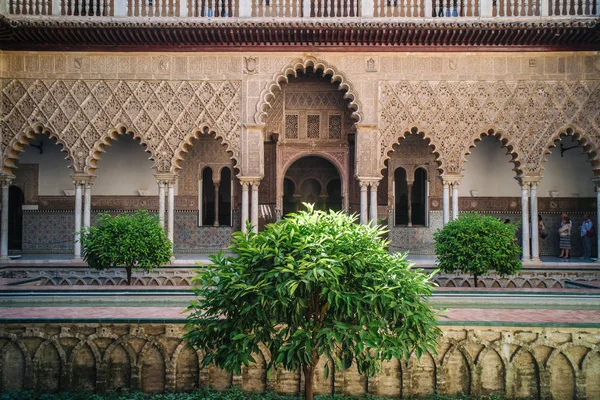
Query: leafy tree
x=476, y=244
x=316, y=284
x=126, y=240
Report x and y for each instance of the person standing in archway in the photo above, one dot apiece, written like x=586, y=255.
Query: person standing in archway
x=587, y=233
x=565, y=236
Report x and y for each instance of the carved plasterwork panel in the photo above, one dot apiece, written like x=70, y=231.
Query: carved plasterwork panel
x=27, y=179
x=82, y=113
x=526, y=115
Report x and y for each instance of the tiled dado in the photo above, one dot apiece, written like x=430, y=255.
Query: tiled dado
x=510, y=204
x=52, y=232
x=540, y=363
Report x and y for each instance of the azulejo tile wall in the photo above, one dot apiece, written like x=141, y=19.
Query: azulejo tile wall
x=52, y=232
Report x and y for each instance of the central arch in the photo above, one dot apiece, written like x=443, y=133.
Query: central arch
x=303, y=66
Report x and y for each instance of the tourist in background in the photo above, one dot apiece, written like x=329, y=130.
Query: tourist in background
x=587, y=233
x=565, y=236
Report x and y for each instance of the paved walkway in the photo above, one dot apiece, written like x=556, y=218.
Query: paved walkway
x=457, y=316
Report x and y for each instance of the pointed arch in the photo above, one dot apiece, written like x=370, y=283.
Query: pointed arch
x=17, y=144
x=113, y=134
x=589, y=147
x=268, y=93
x=507, y=142
x=415, y=130
x=186, y=144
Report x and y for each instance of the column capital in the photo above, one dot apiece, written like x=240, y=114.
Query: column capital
x=529, y=180
x=6, y=180
x=596, y=181
x=83, y=179
x=166, y=178
x=250, y=180
x=451, y=179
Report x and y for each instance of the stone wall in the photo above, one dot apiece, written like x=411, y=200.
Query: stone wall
x=557, y=363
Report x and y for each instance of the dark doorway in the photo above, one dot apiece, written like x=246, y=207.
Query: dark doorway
x=401, y=195
x=419, y=198
x=15, y=218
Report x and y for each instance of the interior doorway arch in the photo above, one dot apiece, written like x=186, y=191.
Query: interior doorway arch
x=312, y=179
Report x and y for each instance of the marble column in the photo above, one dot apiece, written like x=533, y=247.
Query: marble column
x=446, y=203
x=161, y=203
x=254, y=213
x=364, y=200
x=77, y=250
x=596, y=181
x=244, y=205
x=216, y=223
x=525, y=220
x=4, y=221
x=373, y=203
x=171, y=210
x=87, y=204
x=535, y=243
x=454, y=200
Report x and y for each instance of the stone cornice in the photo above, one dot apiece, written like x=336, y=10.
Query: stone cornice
x=187, y=34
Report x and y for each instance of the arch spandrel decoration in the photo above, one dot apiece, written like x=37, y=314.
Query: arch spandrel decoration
x=530, y=113
x=589, y=142
x=82, y=113
x=268, y=94
x=20, y=141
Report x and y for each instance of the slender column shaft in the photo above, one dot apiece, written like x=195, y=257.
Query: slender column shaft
x=525, y=221
x=4, y=222
x=171, y=210
x=244, y=206
x=446, y=203
x=454, y=201
x=535, y=243
x=77, y=252
x=373, y=211
x=161, y=203
x=597, y=222
x=216, y=223
x=363, y=203
x=87, y=205
x=410, y=204
x=254, y=214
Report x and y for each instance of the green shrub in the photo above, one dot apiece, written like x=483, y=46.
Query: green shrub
x=476, y=244
x=126, y=240
x=316, y=284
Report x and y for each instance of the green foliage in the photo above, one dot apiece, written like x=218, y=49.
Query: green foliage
x=126, y=240
x=204, y=394
x=476, y=244
x=316, y=284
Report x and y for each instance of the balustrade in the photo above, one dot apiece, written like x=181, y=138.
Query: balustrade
x=573, y=7
x=334, y=8
x=213, y=8
x=87, y=8
x=276, y=8
x=30, y=7
x=305, y=8
x=153, y=8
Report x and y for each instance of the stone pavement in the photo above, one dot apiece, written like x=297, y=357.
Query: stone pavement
x=456, y=316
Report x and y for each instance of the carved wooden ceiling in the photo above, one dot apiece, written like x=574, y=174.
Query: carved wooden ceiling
x=273, y=36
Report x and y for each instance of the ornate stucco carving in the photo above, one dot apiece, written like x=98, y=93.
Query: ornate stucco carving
x=84, y=115
x=527, y=116
x=274, y=85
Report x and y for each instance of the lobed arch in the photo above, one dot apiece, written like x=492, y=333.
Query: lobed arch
x=415, y=130
x=589, y=147
x=268, y=93
x=17, y=144
x=186, y=144
x=505, y=139
x=113, y=134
